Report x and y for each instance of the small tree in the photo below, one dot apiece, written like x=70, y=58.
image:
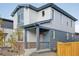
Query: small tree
x=12, y=41
x=19, y=34
x=1, y=38
x=2, y=34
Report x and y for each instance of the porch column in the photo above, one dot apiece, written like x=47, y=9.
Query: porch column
x=50, y=38
x=25, y=40
x=37, y=37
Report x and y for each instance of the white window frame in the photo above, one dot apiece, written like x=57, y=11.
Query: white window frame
x=67, y=36
x=54, y=34
x=53, y=14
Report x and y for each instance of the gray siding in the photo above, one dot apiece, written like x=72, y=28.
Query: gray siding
x=60, y=36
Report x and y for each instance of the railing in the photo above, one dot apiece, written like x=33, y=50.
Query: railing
x=44, y=45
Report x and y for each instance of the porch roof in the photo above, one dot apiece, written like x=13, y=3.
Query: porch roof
x=36, y=24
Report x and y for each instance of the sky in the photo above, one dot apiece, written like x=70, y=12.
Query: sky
x=72, y=8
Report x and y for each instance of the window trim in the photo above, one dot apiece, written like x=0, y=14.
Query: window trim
x=20, y=20
x=43, y=13
x=67, y=36
x=54, y=34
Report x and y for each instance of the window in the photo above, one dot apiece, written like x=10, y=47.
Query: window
x=72, y=35
x=67, y=36
x=53, y=14
x=20, y=19
x=67, y=23
x=53, y=34
x=43, y=13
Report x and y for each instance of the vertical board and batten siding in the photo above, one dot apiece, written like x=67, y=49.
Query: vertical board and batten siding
x=68, y=49
x=37, y=16
x=15, y=21
x=26, y=16
x=33, y=16
x=47, y=16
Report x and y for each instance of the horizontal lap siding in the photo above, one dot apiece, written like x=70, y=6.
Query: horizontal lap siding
x=59, y=36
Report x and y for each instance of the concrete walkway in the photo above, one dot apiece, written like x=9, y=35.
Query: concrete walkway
x=44, y=54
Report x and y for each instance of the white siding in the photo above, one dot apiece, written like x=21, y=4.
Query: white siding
x=31, y=36
x=15, y=21
x=31, y=16
x=47, y=16
x=26, y=16
x=57, y=23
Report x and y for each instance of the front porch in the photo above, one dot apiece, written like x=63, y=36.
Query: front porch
x=38, y=37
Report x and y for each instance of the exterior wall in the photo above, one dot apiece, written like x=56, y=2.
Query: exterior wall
x=15, y=21
x=33, y=16
x=60, y=23
x=59, y=36
x=47, y=16
x=26, y=16
x=31, y=36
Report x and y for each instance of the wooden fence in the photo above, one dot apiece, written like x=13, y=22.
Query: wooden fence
x=68, y=49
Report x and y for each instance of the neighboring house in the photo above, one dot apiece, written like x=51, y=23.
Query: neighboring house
x=44, y=26
x=76, y=36
x=6, y=25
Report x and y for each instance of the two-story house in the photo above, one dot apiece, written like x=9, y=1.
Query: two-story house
x=44, y=26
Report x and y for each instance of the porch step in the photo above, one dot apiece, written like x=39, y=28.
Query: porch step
x=28, y=52
x=43, y=50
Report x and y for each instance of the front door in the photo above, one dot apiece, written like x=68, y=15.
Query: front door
x=44, y=40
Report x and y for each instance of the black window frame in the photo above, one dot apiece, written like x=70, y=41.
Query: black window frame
x=43, y=13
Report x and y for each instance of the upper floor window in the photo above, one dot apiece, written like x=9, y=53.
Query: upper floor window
x=43, y=13
x=20, y=19
x=53, y=14
x=67, y=23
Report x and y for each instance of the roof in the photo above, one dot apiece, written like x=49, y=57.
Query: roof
x=6, y=19
x=43, y=7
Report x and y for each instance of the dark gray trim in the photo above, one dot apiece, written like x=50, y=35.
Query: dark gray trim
x=4, y=19
x=43, y=7
x=38, y=38
x=52, y=29
x=26, y=46
x=23, y=6
x=36, y=23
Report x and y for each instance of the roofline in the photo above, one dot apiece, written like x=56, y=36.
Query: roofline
x=6, y=19
x=43, y=7
x=23, y=6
